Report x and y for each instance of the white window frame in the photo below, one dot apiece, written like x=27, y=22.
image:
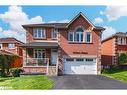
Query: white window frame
x=90, y=37
x=1, y=45
x=121, y=40
x=54, y=31
x=42, y=52
x=12, y=44
x=36, y=33
x=69, y=36
x=79, y=33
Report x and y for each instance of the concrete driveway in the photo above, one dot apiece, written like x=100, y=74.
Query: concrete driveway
x=86, y=82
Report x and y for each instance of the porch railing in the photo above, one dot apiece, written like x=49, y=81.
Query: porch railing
x=37, y=62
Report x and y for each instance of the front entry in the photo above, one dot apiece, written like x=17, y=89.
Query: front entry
x=54, y=56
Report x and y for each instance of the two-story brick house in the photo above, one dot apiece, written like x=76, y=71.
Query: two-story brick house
x=112, y=47
x=70, y=48
x=12, y=45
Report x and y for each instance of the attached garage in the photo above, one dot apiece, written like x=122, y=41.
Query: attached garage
x=80, y=66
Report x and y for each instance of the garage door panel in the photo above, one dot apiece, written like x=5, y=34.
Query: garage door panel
x=80, y=67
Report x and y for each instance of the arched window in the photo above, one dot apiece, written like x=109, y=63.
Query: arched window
x=79, y=29
x=79, y=34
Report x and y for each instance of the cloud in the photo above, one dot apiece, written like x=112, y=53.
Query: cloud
x=98, y=20
x=15, y=17
x=108, y=32
x=114, y=12
x=61, y=21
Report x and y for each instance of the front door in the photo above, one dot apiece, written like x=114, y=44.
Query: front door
x=54, y=56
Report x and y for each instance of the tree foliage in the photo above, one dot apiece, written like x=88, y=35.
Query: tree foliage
x=5, y=63
x=123, y=58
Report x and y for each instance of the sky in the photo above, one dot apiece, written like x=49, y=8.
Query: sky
x=113, y=18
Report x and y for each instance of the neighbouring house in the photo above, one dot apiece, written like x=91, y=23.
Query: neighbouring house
x=12, y=46
x=63, y=48
x=112, y=48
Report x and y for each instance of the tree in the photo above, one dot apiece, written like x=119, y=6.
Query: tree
x=122, y=58
x=5, y=63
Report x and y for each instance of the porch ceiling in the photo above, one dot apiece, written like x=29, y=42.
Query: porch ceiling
x=41, y=44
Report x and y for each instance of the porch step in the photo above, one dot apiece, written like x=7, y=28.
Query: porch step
x=52, y=71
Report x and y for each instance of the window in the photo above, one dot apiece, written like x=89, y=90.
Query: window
x=69, y=59
x=88, y=37
x=89, y=59
x=79, y=35
x=71, y=36
x=122, y=41
x=39, y=53
x=11, y=46
x=54, y=34
x=79, y=59
x=39, y=33
x=0, y=46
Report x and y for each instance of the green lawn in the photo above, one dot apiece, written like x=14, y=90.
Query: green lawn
x=26, y=82
x=118, y=75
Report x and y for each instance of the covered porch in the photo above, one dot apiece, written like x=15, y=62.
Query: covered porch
x=40, y=57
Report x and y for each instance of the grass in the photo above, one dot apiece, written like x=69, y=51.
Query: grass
x=117, y=74
x=27, y=82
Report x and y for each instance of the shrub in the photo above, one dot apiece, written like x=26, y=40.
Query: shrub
x=122, y=58
x=15, y=72
x=5, y=63
x=113, y=69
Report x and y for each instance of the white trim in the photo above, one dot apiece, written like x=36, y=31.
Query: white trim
x=42, y=30
x=69, y=36
x=54, y=30
x=78, y=16
x=90, y=37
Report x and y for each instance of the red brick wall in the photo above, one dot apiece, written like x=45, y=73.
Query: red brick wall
x=68, y=49
x=107, y=51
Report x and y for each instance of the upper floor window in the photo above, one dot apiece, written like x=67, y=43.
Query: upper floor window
x=11, y=46
x=39, y=33
x=1, y=46
x=79, y=34
x=88, y=37
x=121, y=41
x=54, y=33
x=71, y=36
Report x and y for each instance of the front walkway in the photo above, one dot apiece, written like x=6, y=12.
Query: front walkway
x=87, y=82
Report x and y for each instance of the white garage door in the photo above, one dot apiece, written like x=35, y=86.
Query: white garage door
x=80, y=66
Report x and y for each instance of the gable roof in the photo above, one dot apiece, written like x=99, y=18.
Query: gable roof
x=10, y=40
x=118, y=34
x=63, y=25
x=80, y=14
